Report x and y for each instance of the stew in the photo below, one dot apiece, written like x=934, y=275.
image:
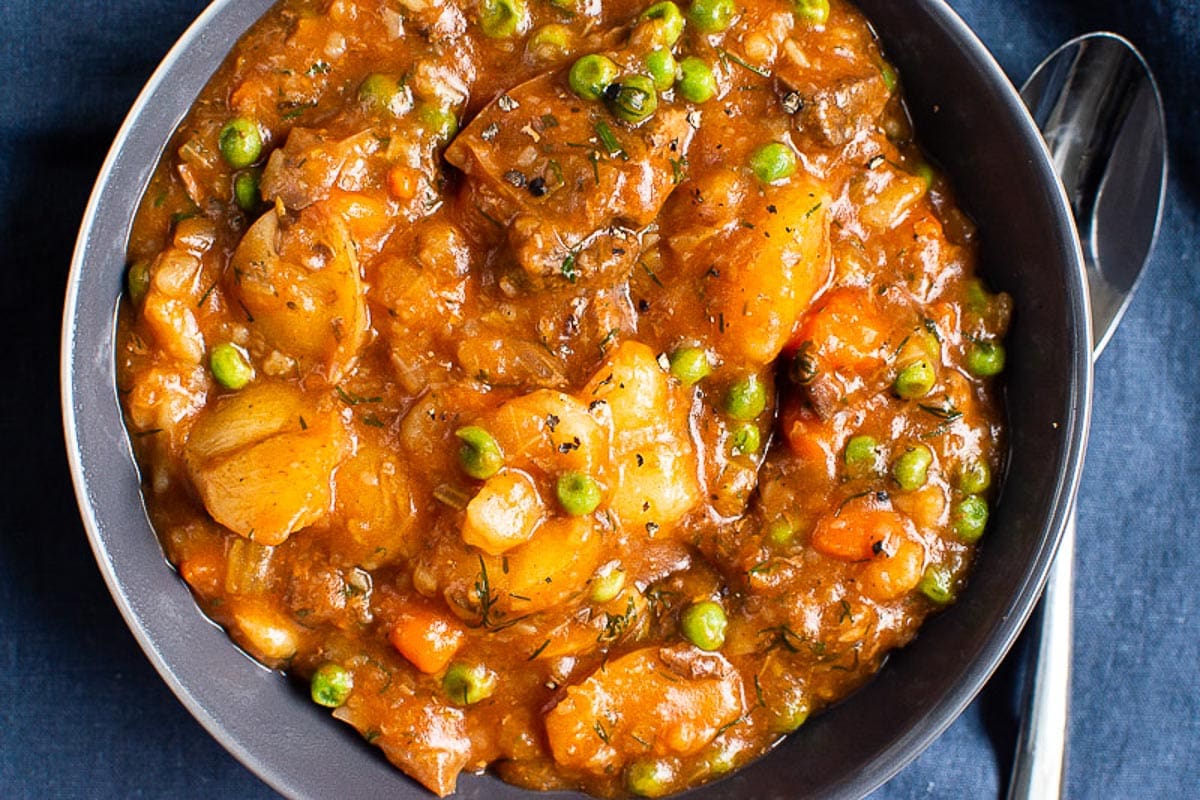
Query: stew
x=589, y=390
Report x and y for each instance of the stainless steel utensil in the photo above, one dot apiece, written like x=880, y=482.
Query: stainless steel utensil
x=1101, y=115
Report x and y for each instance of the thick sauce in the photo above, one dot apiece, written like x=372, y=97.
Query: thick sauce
x=595, y=427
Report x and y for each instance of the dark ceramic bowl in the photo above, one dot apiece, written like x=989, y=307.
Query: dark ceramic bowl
x=969, y=118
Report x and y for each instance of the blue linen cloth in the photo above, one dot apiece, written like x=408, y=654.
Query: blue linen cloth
x=83, y=715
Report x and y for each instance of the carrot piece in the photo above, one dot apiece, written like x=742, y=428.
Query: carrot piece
x=847, y=332
x=427, y=638
x=402, y=182
x=856, y=534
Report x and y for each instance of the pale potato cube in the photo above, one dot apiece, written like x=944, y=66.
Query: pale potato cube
x=300, y=283
x=504, y=513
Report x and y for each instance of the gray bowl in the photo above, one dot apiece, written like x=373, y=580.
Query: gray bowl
x=969, y=118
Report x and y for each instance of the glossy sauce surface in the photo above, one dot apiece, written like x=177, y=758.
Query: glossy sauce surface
x=541, y=432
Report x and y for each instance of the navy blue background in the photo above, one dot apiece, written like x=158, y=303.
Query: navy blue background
x=82, y=714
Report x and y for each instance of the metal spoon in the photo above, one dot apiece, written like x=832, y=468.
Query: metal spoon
x=1101, y=115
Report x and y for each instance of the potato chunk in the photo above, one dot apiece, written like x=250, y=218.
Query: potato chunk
x=762, y=268
x=655, y=459
x=550, y=432
x=260, y=470
x=504, y=514
x=299, y=281
x=671, y=701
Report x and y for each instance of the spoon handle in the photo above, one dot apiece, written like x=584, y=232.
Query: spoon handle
x=1039, y=769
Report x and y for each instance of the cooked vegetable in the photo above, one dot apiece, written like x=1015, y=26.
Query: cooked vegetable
x=591, y=75
x=696, y=80
x=480, y=455
x=975, y=477
x=937, y=584
x=815, y=12
x=607, y=583
x=711, y=16
x=668, y=20
x=578, y=494
x=662, y=67
x=746, y=398
x=245, y=190
x=138, y=280
x=331, y=685
x=502, y=18
x=428, y=639
x=240, y=142
x=985, y=359
x=773, y=162
x=911, y=467
x=230, y=366
x=970, y=518
x=915, y=380
x=649, y=778
x=746, y=439
x=382, y=93
x=467, y=684
x=861, y=451
x=703, y=624
x=690, y=365
x=633, y=98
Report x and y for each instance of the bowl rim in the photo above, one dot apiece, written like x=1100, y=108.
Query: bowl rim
x=197, y=45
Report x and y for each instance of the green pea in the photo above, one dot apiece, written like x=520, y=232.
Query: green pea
x=591, y=75
x=440, y=121
x=245, y=190
x=703, y=624
x=480, y=455
x=815, y=12
x=230, y=366
x=577, y=493
x=746, y=439
x=890, y=79
x=985, y=359
x=502, y=18
x=690, y=365
x=467, y=684
x=975, y=477
x=607, y=583
x=384, y=94
x=861, y=451
x=781, y=531
x=915, y=380
x=648, y=778
x=240, y=142
x=790, y=715
x=978, y=297
x=550, y=42
x=746, y=399
x=138, y=280
x=925, y=172
x=937, y=584
x=712, y=16
x=697, y=84
x=721, y=761
x=331, y=685
x=773, y=162
x=912, y=467
x=970, y=518
x=633, y=98
x=662, y=67
x=669, y=21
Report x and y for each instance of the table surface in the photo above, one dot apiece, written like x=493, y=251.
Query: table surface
x=83, y=714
